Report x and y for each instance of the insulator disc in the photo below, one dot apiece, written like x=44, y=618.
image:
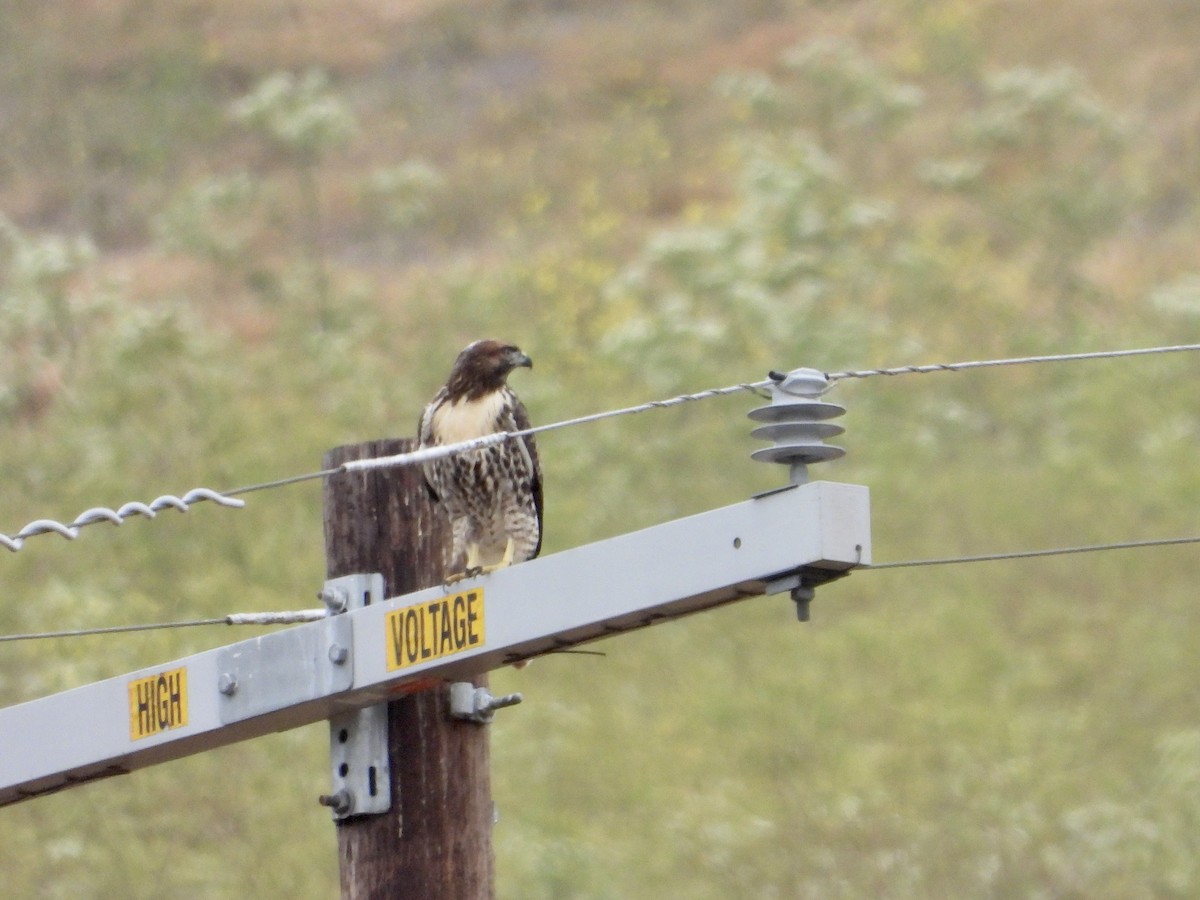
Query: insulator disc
x=800, y=410
x=804, y=453
x=797, y=432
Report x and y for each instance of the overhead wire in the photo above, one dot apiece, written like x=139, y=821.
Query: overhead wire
x=1011, y=361
x=425, y=454
x=311, y=615
x=1033, y=554
x=290, y=617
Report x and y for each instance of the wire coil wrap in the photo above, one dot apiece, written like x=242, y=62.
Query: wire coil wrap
x=96, y=514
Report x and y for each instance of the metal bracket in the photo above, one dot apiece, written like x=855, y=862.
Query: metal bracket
x=476, y=704
x=358, y=754
x=256, y=677
x=351, y=592
x=358, y=740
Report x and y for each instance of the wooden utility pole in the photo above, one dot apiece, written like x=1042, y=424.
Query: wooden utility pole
x=436, y=841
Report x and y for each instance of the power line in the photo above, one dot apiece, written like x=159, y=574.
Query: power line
x=1013, y=361
x=1031, y=554
x=311, y=615
x=293, y=617
x=96, y=514
x=426, y=454
x=282, y=482
x=226, y=498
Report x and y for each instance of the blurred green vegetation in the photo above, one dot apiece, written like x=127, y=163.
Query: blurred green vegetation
x=234, y=235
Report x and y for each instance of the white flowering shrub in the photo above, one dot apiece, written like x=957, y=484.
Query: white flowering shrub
x=45, y=315
x=301, y=115
x=209, y=219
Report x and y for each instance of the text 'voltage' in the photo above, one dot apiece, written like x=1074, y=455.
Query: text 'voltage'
x=435, y=629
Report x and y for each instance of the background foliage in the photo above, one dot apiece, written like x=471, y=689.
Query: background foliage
x=237, y=234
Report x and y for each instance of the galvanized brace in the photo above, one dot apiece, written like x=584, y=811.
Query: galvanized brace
x=358, y=740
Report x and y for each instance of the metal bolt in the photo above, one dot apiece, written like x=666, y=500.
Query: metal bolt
x=803, y=596
x=335, y=599
x=340, y=801
x=490, y=703
x=227, y=684
x=477, y=704
x=338, y=654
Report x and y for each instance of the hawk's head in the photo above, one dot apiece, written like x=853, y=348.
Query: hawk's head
x=483, y=367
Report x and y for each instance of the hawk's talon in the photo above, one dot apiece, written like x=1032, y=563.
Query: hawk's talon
x=468, y=572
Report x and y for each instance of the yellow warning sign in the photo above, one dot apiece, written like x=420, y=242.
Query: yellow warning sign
x=434, y=629
x=158, y=703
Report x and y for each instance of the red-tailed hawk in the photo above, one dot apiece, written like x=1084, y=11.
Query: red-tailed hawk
x=493, y=495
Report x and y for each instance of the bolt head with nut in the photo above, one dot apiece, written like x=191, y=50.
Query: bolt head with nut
x=341, y=802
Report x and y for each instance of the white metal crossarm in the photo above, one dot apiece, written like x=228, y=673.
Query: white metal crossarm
x=796, y=537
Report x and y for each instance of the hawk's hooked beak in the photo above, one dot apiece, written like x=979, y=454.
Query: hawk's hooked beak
x=517, y=359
